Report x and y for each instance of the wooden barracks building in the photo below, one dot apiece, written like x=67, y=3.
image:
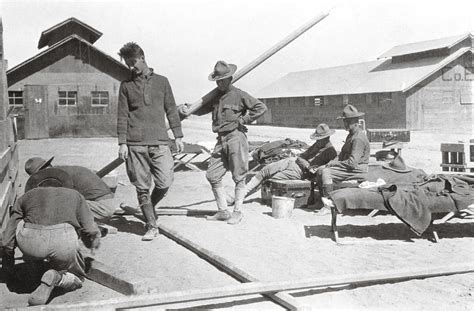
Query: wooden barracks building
x=71, y=88
x=68, y=89
x=422, y=85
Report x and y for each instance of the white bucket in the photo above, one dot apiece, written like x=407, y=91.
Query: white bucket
x=282, y=207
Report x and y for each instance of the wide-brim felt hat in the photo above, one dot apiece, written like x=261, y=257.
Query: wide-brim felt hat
x=397, y=165
x=35, y=164
x=49, y=177
x=222, y=70
x=350, y=111
x=322, y=131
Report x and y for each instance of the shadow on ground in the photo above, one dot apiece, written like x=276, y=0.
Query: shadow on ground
x=391, y=231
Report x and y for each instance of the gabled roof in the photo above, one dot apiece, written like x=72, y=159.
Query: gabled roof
x=423, y=46
x=66, y=28
x=60, y=50
x=369, y=77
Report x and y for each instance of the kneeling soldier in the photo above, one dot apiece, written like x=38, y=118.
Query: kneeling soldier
x=46, y=223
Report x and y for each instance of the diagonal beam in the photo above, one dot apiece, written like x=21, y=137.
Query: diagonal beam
x=187, y=110
x=283, y=299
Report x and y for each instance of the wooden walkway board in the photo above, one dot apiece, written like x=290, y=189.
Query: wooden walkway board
x=245, y=289
x=283, y=299
x=119, y=280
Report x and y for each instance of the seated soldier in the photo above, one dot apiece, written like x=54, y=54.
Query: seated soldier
x=46, y=223
x=301, y=167
x=98, y=195
x=353, y=160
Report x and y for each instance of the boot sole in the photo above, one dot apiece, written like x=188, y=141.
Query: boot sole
x=235, y=221
x=41, y=294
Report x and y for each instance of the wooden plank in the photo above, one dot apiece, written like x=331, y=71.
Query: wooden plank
x=107, y=228
x=452, y=147
x=5, y=199
x=119, y=280
x=5, y=158
x=372, y=278
x=165, y=212
x=283, y=299
x=109, y=167
x=187, y=111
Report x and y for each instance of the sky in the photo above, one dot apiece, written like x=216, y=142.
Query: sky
x=183, y=39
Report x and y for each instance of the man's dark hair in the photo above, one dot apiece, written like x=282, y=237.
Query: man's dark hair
x=131, y=50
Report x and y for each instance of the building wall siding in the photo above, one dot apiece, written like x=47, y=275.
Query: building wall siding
x=382, y=110
x=445, y=100
x=84, y=120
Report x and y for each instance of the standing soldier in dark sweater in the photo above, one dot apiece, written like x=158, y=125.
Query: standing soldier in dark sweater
x=231, y=109
x=144, y=102
x=45, y=224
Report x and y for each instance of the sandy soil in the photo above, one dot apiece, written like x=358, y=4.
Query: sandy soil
x=272, y=249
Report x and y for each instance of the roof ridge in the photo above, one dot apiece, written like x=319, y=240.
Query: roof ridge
x=337, y=66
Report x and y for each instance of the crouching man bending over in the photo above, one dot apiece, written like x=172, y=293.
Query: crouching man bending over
x=45, y=223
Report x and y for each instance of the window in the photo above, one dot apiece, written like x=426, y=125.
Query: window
x=15, y=98
x=67, y=98
x=100, y=98
x=318, y=101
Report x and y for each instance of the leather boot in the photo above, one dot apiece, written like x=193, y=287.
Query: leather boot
x=237, y=215
x=253, y=185
x=220, y=196
x=70, y=282
x=326, y=189
x=149, y=213
x=157, y=195
x=49, y=281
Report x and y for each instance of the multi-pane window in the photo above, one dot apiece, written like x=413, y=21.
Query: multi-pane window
x=15, y=98
x=67, y=98
x=318, y=101
x=100, y=98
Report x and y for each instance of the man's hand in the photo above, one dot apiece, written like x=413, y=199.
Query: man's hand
x=241, y=126
x=184, y=109
x=123, y=151
x=179, y=145
x=91, y=241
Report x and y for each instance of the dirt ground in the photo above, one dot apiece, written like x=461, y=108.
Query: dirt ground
x=271, y=249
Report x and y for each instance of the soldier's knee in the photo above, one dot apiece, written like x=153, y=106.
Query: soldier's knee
x=143, y=197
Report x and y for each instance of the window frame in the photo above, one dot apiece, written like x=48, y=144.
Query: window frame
x=100, y=99
x=318, y=101
x=67, y=98
x=15, y=98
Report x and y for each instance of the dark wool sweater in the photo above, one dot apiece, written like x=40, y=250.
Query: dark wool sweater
x=142, y=105
x=50, y=206
x=86, y=182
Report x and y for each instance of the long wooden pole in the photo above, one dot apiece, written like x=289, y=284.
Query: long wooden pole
x=186, y=111
x=267, y=287
x=283, y=299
